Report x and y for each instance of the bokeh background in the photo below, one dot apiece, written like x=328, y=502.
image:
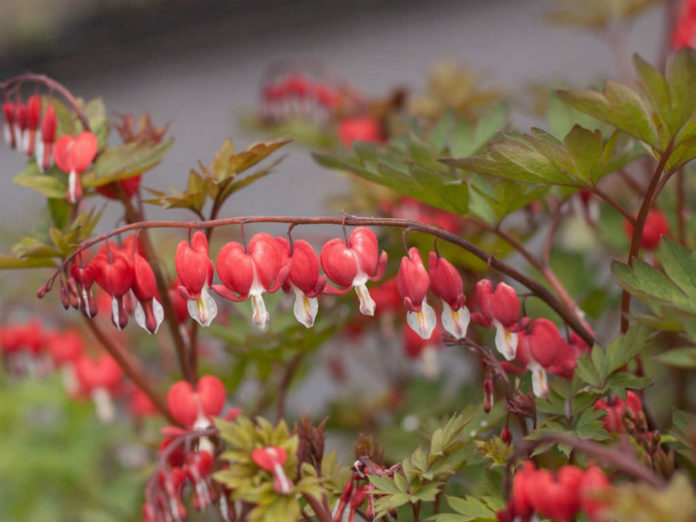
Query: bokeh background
x=197, y=66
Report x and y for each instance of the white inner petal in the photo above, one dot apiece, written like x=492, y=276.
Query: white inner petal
x=423, y=322
x=540, y=384
x=105, y=406
x=305, y=308
x=505, y=342
x=203, y=310
x=259, y=315
x=455, y=322
x=367, y=304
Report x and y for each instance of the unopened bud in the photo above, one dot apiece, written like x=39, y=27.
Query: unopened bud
x=487, y=394
x=41, y=293
x=505, y=435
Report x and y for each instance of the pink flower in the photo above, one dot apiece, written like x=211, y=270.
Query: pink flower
x=249, y=273
x=195, y=271
x=74, y=156
x=413, y=282
x=499, y=308
x=272, y=459
x=303, y=279
x=446, y=283
x=353, y=263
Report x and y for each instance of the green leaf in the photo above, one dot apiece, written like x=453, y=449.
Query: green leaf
x=680, y=357
x=471, y=508
x=11, y=262
x=620, y=106
x=51, y=184
x=126, y=161
x=586, y=149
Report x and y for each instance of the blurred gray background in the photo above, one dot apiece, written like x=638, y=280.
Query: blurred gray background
x=197, y=65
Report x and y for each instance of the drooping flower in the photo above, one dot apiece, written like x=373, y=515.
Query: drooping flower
x=303, y=279
x=538, y=350
x=99, y=378
x=616, y=408
x=272, y=459
x=414, y=282
x=9, y=110
x=499, y=308
x=352, y=263
x=446, y=283
x=193, y=408
x=195, y=271
x=44, y=147
x=114, y=273
x=83, y=277
x=74, y=156
x=33, y=121
x=359, y=128
x=248, y=273
x=149, y=313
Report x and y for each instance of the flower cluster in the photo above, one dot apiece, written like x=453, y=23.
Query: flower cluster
x=26, y=123
x=297, y=96
x=30, y=129
x=125, y=275
x=559, y=497
x=184, y=466
x=30, y=349
x=617, y=408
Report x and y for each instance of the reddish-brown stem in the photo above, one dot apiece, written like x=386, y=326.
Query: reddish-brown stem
x=622, y=460
x=650, y=194
x=606, y=197
x=140, y=381
x=51, y=84
x=681, y=208
x=565, y=312
x=290, y=369
x=322, y=514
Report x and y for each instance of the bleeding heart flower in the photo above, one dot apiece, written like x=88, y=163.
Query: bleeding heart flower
x=359, y=128
x=446, y=283
x=141, y=405
x=99, y=378
x=195, y=271
x=194, y=407
x=501, y=309
x=303, y=279
x=10, y=130
x=21, y=117
x=616, y=408
x=149, y=313
x=33, y=120
x=44, y=148
x=413, y=282
x=83, y=278
x=114, y=273
x=272, y=459
x=593, y=481
x=65, y=347
x=353, y=263
x=199, y=464
x=74, y=156
x=249, y=273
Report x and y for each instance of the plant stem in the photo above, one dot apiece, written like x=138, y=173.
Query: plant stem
x=681, y=208
x=133, y=374
x=322, y=514
x=51, y=84
x=650, y=194
x=290, y=370
x=565, y=312
x=603, y=195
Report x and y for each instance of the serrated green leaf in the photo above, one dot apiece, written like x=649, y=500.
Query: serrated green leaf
x=126, y=161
